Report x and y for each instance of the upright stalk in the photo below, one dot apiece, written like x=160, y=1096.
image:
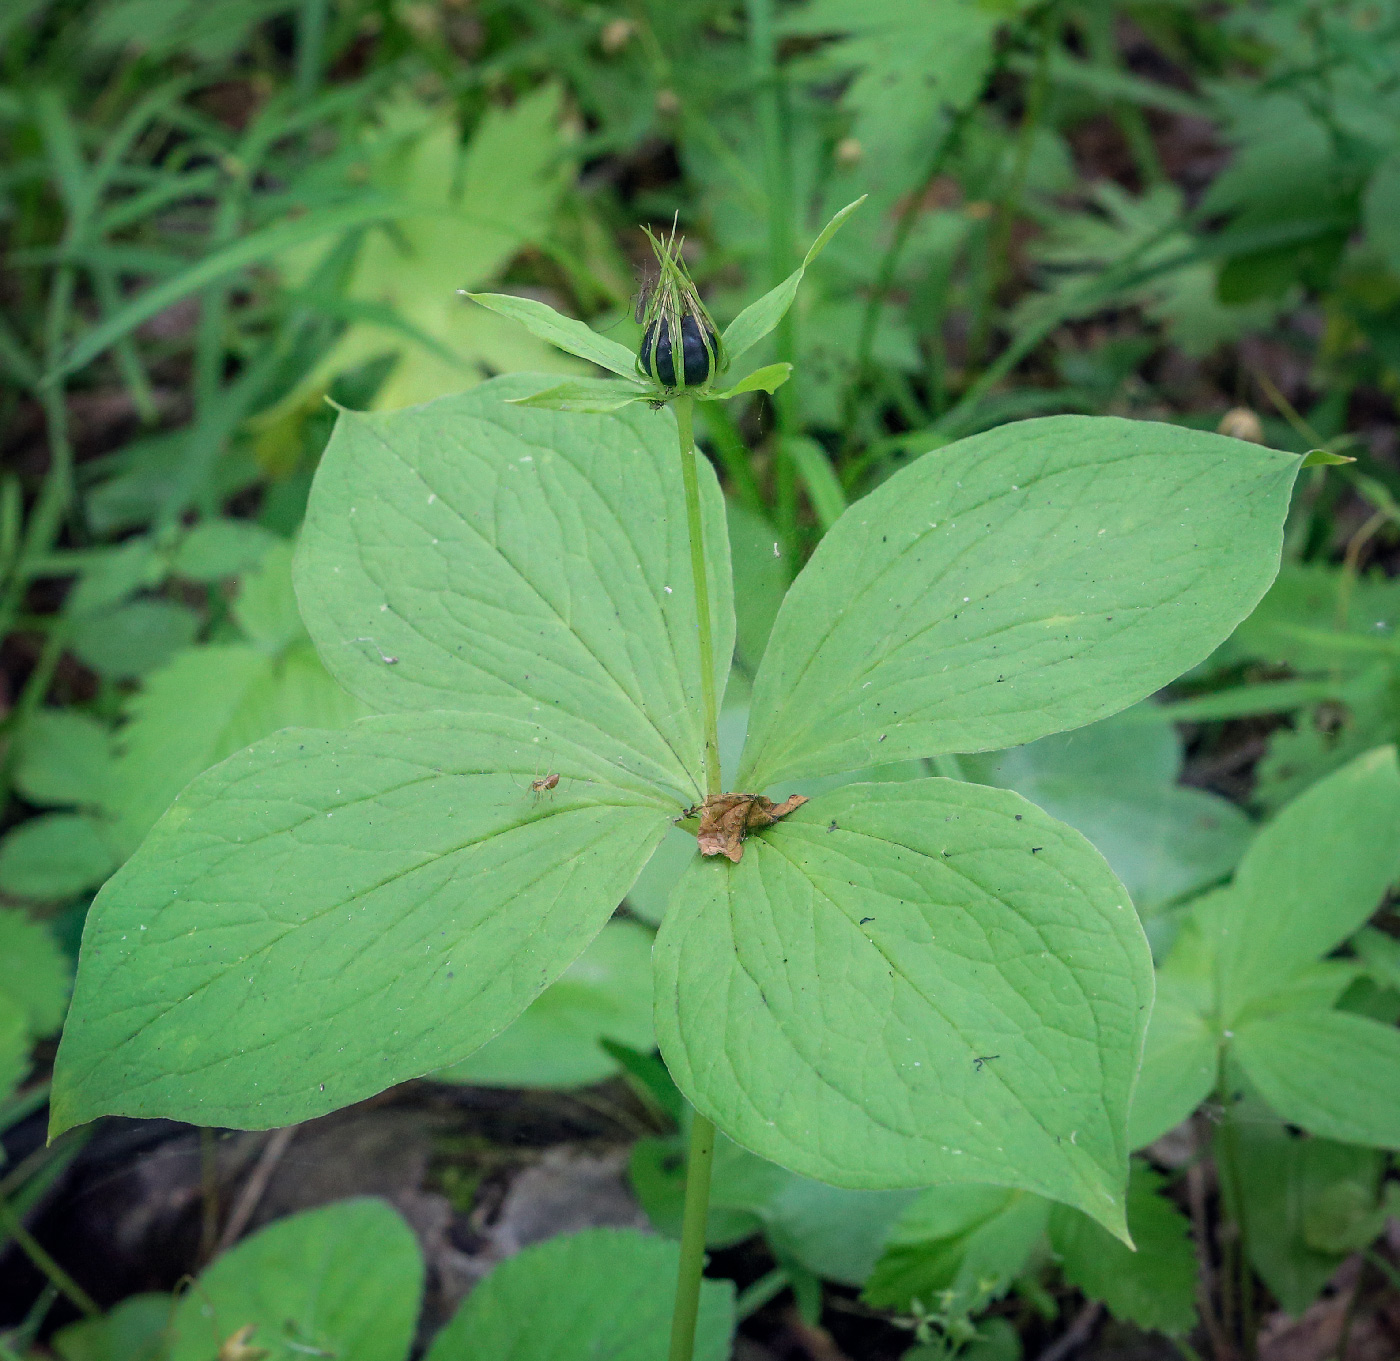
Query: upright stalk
x=697, y=1210
x=685, y=421
x=770, y=109
x=702, y=1131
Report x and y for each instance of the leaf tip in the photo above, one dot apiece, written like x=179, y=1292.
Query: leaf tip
x=1324, y=458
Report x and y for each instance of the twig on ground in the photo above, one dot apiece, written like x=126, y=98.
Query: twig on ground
x=255, y=1187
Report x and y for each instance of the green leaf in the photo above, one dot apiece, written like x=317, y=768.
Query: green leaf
x=652, y=891
x=1179, y=1066
x=595, y=395
x=215, y=549
x=475, y=555
x=760, y=317
x=566, y=333
x=62, y=756
x=266, y=605
x=1381, y=210
x=1324, y=458
x=1330, y=1072
x=1311, y=877
x=761, y=579
x=1288, y=1185
x=910, y=63
x=341, y=1281
x=112, y=575
x=14, y=1044
x=1153, y=1287
x=1379, y=953
x=830, y=1231
x=133, y=1331
x=56, y=855
x=605, y=992
x=877, y=993
x=205, y=705
x=971, y=1240
x=767, y=379
x=1116, y=781
x=133, y=639
x=1317, y=620
x=1020, y=582
x=605, y=1294
x=823, y=486
x=326, y=914
x=34, y=972
x=656, y=1171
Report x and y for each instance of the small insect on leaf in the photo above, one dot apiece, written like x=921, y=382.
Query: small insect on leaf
x=539, y=788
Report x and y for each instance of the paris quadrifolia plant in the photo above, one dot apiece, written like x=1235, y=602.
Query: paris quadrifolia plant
x=875, y=983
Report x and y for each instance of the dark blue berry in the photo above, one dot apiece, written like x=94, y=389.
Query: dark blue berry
x=697, y=359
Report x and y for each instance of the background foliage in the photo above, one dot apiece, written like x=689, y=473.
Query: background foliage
x=217, y=216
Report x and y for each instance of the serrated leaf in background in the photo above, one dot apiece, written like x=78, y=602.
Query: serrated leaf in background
x=480, y=206
x=55, y=856
x=1183, y=300
x=34, y=973
x=1153, y=1287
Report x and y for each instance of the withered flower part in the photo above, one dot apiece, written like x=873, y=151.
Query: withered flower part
x=726, y=819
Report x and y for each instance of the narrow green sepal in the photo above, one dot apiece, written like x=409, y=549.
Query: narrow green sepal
x=760, y=317
x=563, y=332
x=1324, y=458
x=767, y=379
x=593, y=395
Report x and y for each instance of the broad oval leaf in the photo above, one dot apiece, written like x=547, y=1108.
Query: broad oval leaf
x=1017, y=583
x=602, y=1293
x=1179, y=1065
x=911, y=983
x=476, y=555
x=1331, y=1073
x=342, y=1281
x=328, y=913
x=1311, y=878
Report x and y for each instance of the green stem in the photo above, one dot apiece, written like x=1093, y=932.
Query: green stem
x=311, y=41
x=772, y=127
x=697, y=1210
x=702, y=1132
x=685, y=421
x=32, y=1249
x=1240, y=1260
x=768, y=1287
